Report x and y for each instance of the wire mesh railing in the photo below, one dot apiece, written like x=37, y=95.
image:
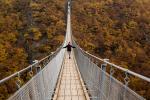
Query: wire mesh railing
x=43, y=77
x=42, y=86
x=99, y=84
x=102, y=85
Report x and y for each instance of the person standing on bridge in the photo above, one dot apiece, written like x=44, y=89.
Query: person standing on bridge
x=69, y=46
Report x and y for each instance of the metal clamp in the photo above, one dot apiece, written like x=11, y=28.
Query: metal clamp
x=31, y=72
x=112, y=71
x=126, y=79
x=18, y=81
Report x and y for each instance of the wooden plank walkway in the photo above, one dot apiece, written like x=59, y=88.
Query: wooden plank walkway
x=70, y=85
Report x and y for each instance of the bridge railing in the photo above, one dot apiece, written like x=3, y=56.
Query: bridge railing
x=35, y=82
x=100, y=80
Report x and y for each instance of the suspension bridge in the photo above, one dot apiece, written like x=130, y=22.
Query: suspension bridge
x=79, y=78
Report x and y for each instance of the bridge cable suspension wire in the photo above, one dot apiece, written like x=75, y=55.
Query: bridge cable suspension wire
x=99, y=84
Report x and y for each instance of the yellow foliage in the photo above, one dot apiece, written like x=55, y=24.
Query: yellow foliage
x=49, y=33
x=37, y=33
x=8, y=37
x=3, y=53
x=59, y=38
x=21, y=22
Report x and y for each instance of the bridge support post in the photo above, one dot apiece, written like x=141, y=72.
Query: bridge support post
x=126, y=80
x=37, y=66
x=103, y=80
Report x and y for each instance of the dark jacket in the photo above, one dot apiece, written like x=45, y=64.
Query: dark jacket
x=69, y=47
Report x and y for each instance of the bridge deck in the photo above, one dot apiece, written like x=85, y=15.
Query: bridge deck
x=70, y=85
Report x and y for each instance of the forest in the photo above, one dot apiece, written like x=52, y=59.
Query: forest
x=29, y=30
x=115, y=29
x=118, y=30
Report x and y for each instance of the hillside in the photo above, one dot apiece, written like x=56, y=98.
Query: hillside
x=115, y=29
x=118, y=30
x=29, y=30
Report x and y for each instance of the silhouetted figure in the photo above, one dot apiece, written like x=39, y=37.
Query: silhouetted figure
x=69, y=46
